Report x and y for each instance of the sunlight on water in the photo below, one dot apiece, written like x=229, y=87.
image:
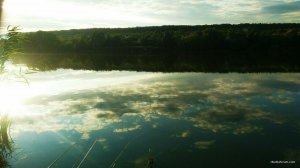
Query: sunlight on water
x=18, y=85
x=191, y=116
x=11, y=98
x=13, y=91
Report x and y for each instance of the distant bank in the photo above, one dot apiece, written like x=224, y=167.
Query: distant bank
x=207, y=48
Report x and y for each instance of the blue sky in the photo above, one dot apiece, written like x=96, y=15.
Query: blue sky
x=34, y=15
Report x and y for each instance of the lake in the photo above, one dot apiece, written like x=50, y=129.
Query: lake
x=77, y=118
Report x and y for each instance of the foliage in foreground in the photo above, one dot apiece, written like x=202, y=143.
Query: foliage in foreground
x=8, y=44
x=6, y=148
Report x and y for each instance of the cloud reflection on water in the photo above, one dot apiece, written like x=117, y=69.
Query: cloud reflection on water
x=184, y=115
x=227, y=103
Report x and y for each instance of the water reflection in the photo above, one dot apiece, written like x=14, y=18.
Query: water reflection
x=6, y=148
x=193, y=117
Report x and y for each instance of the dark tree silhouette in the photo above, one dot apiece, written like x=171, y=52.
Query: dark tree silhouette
x=223, y=48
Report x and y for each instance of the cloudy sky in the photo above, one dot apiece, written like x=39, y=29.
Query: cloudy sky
x=54, y=14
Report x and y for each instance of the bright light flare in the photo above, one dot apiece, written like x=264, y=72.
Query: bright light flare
x=53, y=13
x=12, y=97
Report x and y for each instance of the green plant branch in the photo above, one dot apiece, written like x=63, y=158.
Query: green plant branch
x=8, y=45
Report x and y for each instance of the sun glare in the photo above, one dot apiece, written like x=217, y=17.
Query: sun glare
x=53, y=13
x=28, y=8
x=11, y=98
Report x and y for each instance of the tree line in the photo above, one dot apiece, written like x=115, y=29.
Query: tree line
x=243, y=47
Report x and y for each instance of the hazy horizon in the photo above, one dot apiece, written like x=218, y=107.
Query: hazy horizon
x=34, y=15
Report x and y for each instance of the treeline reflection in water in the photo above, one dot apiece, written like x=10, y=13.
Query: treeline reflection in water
x=206, y=48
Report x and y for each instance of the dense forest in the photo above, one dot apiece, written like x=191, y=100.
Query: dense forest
x=207, y=48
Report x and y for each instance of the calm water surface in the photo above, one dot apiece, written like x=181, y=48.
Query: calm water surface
x=178, y=119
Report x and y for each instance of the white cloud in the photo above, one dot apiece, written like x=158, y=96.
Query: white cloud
x=129, y=129
x=213, y=102
x=54, y=14
x=204, y=144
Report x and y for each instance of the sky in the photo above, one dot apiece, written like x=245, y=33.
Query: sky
x=33, y=15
